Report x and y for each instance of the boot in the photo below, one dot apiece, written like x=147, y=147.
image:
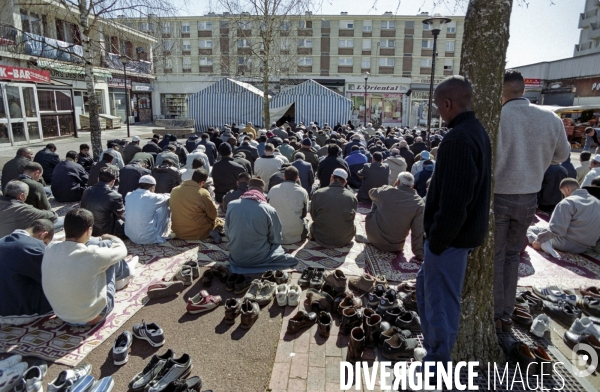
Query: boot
x=356, y=345
x=373, y=330
x=325, y=322
x=351, y=318
x=350, y=301
x=367, y=313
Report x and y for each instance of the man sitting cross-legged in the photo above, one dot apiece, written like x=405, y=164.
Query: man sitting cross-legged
x=242, y=187
x=396, y=210
x=69, y=180
x=32, y=173
x=167, y=176
x=254, y=232
x=81, y=275
x=21, y=290
x=290, y=201
x=573, y=226
x=148, y=213
x=193, y=212
x=106, y=204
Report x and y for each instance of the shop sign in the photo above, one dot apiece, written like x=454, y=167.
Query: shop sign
x=587, y=87
x=426, y=80
x=142, y=87
x=357, y=87
x=24, y=74
x=533, y=82
x=119, y=83
x=416, y=95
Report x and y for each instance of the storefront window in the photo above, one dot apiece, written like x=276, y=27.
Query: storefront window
x=63, y=100
x=33, y=129
x=14, y=103
x=46, y=101
x=65, y=122
x=18, y=131
x=4, y=134
x=29, y=99
x=392, y=112
x=49, y=126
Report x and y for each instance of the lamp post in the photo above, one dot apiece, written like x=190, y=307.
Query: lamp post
x=124, y=59
x=366, y=75
x=435, y=24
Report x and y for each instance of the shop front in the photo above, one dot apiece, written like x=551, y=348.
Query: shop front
x=419, y=103
x=142, y=102
x=382, y=104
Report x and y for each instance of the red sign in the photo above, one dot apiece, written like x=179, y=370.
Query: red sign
x=24, y=74
x=533, y=82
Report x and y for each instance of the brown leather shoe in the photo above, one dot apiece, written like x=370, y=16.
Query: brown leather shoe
x=522, y=318
x=337, y=280
x=356, y=346
x=362, y=283
x=372, y=330
x=350, y=301
x=351, y=318
x=592, y=291
x=301, y=320
x=324, y=322
x=249, y=311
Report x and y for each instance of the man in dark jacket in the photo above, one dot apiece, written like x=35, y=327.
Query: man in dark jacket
x=356, y=141
x=310, y=154
x=305, y=173
x=210, y=148
x=240, y=158
x=373, y=175
x=167, y=176
x=571, y=172
x=69, y=180
x=84, y=158
x=37, y=195
x=331, y=162
x=165, y=141
x=15, y=214
x=152, y=147
x=418, y=146
x=129, y=177
x=422, y=176
x=456, y=217
x=105, y=204
x=225, y=172
x=131, y=149
x=49, y=159
x=242, y=187
x=356, y=161
x=407, y=154
x=250, y=151
x=550, y=195
x=191, y=143
x=106, y=161
x=168, y=152
x=14, y=168
x=145, y=157
x=179, y=150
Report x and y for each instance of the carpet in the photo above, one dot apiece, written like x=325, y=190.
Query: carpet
x=51, y=339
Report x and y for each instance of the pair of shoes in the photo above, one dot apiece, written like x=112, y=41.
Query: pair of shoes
x=312, y=277
x=164, y=289
x=319, y=300
x=398, y=346
x=301, y=320
x=193, y=264
x=540, y=325
x=519, y=352
x=591, y=291
x=589, y=305
x=374, y=296
x=362, y=284
x=202, y=302
x=407, y=286
x=408, y=320
x=533, y=301
x=185, y=275
x=409, y=300
x=521, y=317
x=66, y=379
x=151, y=333
x=238, y=283
x=182, y=385
x=12, y=371
x=572, y=339
x=585, y=326
x=388, y=301
x=562, y=311
x=220, y=272
x=173, y=370
x=278, y=276
x=337, y=280
x=288, y=294
x=249, y=311
x=346, y=301
x=324, y=322
x=351, y=318
x=261, y=292
x=150, y=371
x=32, y=378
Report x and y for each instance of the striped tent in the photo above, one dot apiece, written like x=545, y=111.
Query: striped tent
x=224, y=102
x=314, y=102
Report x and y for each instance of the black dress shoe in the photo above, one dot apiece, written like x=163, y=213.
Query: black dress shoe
x=522, y=318
x=301, y=321
x=562, y=311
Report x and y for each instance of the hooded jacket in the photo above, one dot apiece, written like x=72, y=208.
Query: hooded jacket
x=397, y=165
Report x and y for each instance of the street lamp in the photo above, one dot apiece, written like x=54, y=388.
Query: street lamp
x=366, y=75
x=435, y=25
x=124, y=59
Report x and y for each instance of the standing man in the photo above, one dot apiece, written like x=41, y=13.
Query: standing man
x=456, y=217
x=519, y=171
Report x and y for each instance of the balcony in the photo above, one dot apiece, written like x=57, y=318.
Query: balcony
x=586, y=18
x=585, y=46
x=595, y=30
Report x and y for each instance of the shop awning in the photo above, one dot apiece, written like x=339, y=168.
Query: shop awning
x=72, y=68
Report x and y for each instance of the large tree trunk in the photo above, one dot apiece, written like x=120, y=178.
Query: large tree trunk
x=482, y=62
x=265, y=85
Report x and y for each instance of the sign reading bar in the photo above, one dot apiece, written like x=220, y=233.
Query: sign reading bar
x=533, y=82
x=24, y=74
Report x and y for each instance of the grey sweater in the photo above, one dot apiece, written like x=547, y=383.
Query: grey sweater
x=530, y=138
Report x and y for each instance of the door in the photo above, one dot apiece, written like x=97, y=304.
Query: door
x=23, y=113
x=78, y=105
x=4, y=133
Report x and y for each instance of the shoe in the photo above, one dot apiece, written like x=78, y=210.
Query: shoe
x=388, y=333
x=249, y=313
x=584, y=326
x=306, y=276
x=67, y=378
x=562, y=312
x=216, y=237
x=507, y=325
x=381, y=280
x=350, y=301
x=151, y=333
x=105, y=384
x=362, y=239
x=388, y=301
x=325, y=320
x=221, y=272
x=522, y=318
x=534, y=302
x=351, y=318
x=254, y=289
x=409, y=320
x=193, y=264
x=522, y=302
x=281, y=277
x=207, y=277
x=398, y=346
x=319, y=300
x=281, y=294
x=232, y=309
x=184, y=275
x=407, y=286
x=410, y=302
x=590, y=291
x=32, y=379
x=190, y=385
x=266, y=294
x=12, y=377
x=84, y=384
x=572, y=339
x=391, y=315
x=550, y=293
x=523, y=308
x=174, y=369
x=230, y=283
x=589, y=305
x=366, y=314
x=202, y=302
x=164, y=289
x=150, y=371
x=10, y=361
x=337, y=280
x=120, y=351
x=317, y=279
x=540, y=325
x=517, y=352
x=542, y=359
x=294, y=292
x=372, y=330
x=301, y=320
x=268, y=276
x=356, y=346
x=419, y=354
x=362, y=284
x=242, y=284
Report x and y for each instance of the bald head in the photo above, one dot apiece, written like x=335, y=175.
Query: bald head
x=453, y=96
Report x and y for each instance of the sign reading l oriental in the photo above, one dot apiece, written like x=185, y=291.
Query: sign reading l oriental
x=374, y=87
x=24, y=74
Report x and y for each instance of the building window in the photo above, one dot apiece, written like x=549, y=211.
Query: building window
x=224, y=24
x=243, y=60
x=346, y=43
x=168, y=45
x=243, y=43
x=187, y=63
x=426, y=26
x=166, y=27
x=204, y=25
x=427, y=44
x=425, y=63
x=387, y=43
x=386, y=62
x=185, y=27
x=367, y=26
x=285, y=26
x=346, y=24
x=31, y=23
x=409, y=24
x=305, y=24
x=366, y=44
x=345, y=61
x=448, y=65
x=305, y=43
x=245, y=24
x=449, y=46
x=205, y=44
x=388, y=25
x=304, y=61
x=186, y=46
x=365, y=63
x=325, y=24
x=284, y=44
x=451, y=28
x=205, y=60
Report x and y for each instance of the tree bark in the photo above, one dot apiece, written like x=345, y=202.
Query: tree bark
x=482, y=62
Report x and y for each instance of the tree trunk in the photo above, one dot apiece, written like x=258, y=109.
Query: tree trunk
x=482, y=63
x=265, y=83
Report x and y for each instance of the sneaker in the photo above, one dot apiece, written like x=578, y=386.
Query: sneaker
x=281, y=277
x=563, y=312
x=221, y=272
x=294, y=292
x=230, y=283
x=540, y=325
x=398, y=347
x=174, y=369
x=306, y=276
x=584, y=326
x=193, y=264
x=382, y=280
x=202, y=302
x=254, y=289
x=319, y=300
x=207, y=277
x=150, y=371
x=268, y=276
x=589, y=305
x=419, y=354
x=190, y=385
x=242, y=284
x=317, y=279
x=388, y=301
x=67, y=378
x=281, y=294
x=184, y=275
x=120, y=351
x=12, y=377
x=84, y=384
x=409, y=320
x=301, y=320
x=337, y=280
x=249, y=310
x=10, y=361
x=164, y=289
x=151, y=333
x=105, y=384
x=362, y=284
x=232, y=309
x=32, y=379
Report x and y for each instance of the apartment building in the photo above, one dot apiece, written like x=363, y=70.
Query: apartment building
x=589, y=23
x=42, y=86
x=334, y=50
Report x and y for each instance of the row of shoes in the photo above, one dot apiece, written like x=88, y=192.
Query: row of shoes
x=166, y=373
x=588, y=302
x=584, y=331
x=149, y=332
x=79, y=379
x=528, y=357
x=18, y=376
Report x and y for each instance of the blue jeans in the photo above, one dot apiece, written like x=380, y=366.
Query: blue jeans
x=588, y=142
x=439, y=291
x=59, y=224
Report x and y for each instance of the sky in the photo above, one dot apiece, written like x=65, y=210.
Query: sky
x=542, y=30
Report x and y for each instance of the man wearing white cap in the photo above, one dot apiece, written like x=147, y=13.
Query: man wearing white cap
x=594, y=171
x=131, y=149
x=148, y=214
x=333, y=210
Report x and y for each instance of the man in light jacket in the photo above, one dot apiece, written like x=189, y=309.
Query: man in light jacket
x=290, y=201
